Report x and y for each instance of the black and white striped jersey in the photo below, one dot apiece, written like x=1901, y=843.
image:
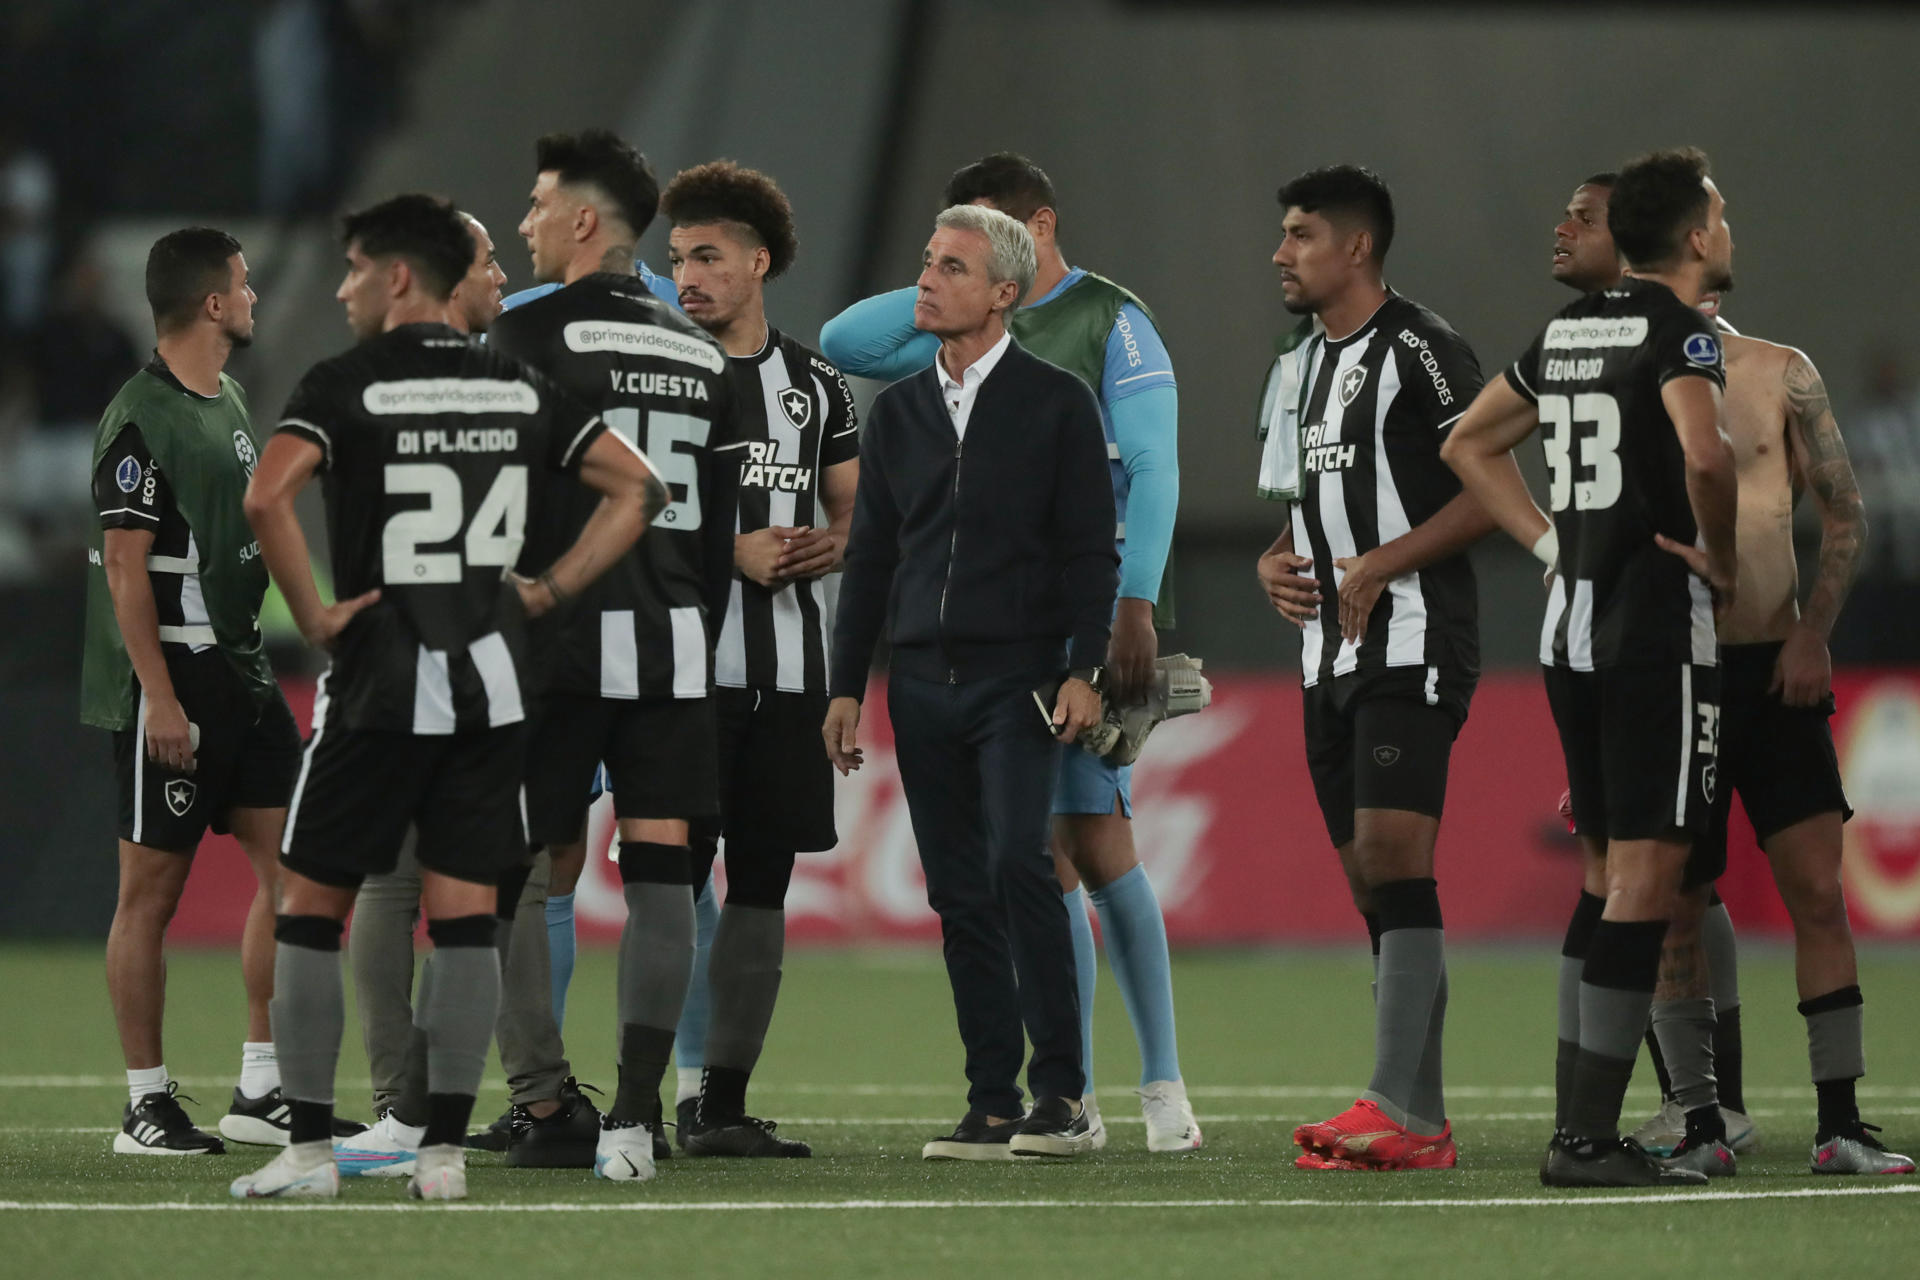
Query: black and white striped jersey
x=642, y=629
x=798, y=420
x=430, y=445
x=1378, y=405
x=1618, y=476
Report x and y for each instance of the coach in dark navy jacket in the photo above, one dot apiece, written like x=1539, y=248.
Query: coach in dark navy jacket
x=983, y=541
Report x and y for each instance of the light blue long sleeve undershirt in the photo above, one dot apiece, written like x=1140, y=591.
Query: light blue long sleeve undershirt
x=1145, y=426
x=875, y=338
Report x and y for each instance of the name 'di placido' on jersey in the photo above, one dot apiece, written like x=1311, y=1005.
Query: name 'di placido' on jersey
x=468, y=440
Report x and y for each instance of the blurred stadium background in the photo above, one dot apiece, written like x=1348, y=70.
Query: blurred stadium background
x=1166, y=128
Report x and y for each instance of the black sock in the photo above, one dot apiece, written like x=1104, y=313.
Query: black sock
x=447, y=1116
x=313, y=1121
x=1373, y=929
x=1727, y=1060
x=1704, y=1124
x=1659, y=1064
x=644, y=1055
x=1839, y=1111
x=723, y=1095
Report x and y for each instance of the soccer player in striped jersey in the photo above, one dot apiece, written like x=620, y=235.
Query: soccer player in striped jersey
x=1584, y=258
x=1628, y=385
x=628, y=670
x=566, y=868
x=798, y=459
x=1391, y=660
x=1099, y=330
x=426, y=439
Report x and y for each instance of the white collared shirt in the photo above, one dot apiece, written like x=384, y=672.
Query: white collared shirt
x=959, y=396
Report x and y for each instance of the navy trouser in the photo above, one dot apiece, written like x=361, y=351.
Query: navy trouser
x=978, y=765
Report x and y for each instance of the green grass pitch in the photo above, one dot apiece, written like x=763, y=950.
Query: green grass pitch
x=864, y=1063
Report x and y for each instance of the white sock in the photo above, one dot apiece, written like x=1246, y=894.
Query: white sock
x=689, y=1086
x=146, y=1080
x=259, y=1069
x=407, y=1135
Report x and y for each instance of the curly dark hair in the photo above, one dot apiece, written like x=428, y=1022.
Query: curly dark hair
x=722, y=191
x=1657, y=199
x=601, y=159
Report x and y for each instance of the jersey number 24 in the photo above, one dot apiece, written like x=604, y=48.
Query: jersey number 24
x=492, y=537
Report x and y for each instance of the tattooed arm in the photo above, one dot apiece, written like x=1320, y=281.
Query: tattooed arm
x=1804, y=672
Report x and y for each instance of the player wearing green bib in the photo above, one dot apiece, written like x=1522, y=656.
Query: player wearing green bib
x=175, y=669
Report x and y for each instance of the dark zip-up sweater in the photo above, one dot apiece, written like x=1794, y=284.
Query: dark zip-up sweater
x=984, y=557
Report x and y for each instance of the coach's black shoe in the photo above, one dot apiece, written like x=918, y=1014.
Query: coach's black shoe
x=1622, y=1162
x=976, y=1137
x=564, y=1140
x=1055, y=1127
x=159, y=1126
x=498, y=1136
x=267, y=1121
x=686, y=1114
x=741, y=1135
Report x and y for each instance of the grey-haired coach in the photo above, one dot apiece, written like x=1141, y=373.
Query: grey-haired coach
x=983, y=542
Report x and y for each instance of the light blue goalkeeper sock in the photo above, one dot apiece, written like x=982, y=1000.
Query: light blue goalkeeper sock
x=690, y=1038
x=1086, y=967
x=1136, y=935
x=560, y=947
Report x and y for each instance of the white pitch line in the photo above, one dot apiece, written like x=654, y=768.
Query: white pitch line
x=1598, y=1200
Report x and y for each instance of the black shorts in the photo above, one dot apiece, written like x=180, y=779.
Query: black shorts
x=1381, y=739
x=360, y=789
x=660, y=753
x=248, y=757
x=1779, y=758
x=1641, y=746
x=776, y=782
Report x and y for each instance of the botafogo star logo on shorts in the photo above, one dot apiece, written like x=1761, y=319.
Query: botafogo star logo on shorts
x=180, y=795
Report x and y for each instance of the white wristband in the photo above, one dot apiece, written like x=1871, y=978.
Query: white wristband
x=1547, y=549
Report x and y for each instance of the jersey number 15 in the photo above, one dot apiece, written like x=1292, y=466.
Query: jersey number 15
x=670, y=439
x=1593, y=419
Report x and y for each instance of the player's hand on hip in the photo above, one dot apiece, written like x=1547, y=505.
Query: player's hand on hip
x=1132, y=649
x=757, y=554
x=334, y=618
x=810, y=553
x=1295, y=596
x=842, y=731
x=1719, y=578
x=1077, y=708
x=1803, y=673
x=169, y=736
x=1360, y=587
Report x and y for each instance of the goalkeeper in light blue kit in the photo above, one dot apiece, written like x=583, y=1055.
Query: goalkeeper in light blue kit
x=1098, y=330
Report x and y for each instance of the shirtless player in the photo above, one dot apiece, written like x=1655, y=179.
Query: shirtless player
x=1776, y=748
